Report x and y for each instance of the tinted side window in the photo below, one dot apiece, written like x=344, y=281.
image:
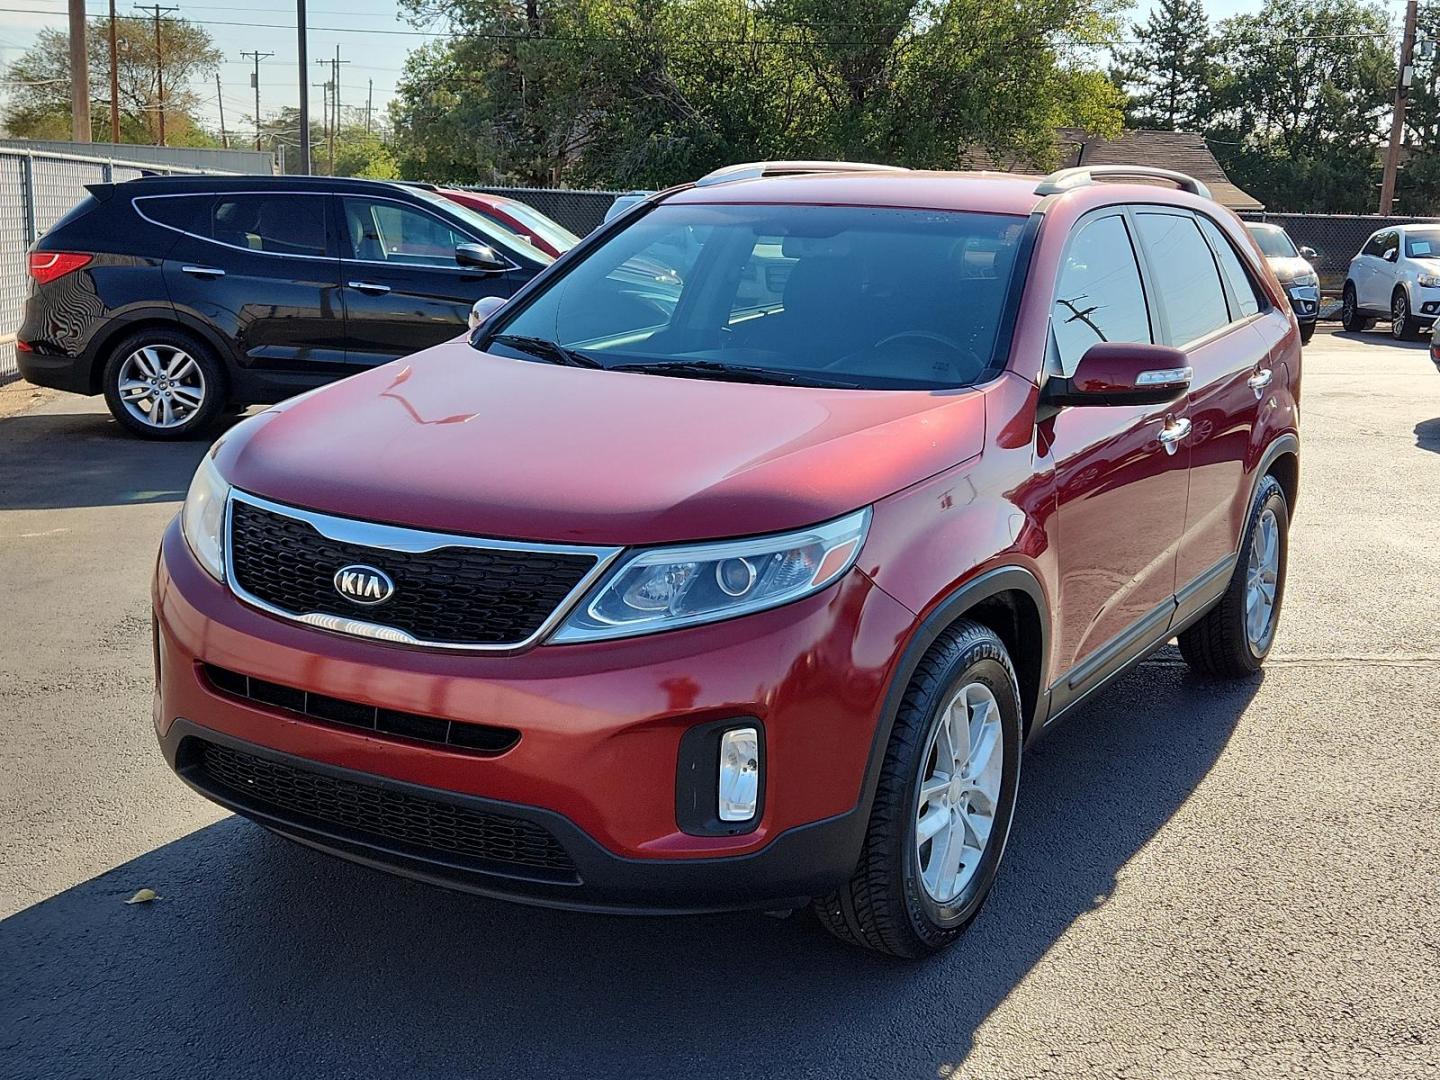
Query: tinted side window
x=278, y=224
x=188, y=213
x=1389, y=245
x=1099, y=296
x=1185, y=275
x=1242, y=286
x=390, y=232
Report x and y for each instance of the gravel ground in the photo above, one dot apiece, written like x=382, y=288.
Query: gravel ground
x=1205, y=879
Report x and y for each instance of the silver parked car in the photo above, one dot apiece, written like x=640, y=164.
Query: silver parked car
x=1397, y=272
x=1296, y=271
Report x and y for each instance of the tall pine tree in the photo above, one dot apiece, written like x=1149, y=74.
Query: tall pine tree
x=1168, y=71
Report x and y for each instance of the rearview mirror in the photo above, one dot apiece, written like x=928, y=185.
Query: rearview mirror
x=481, y=257
x=1122, y=373
x=1308, y=253
x=483, y=308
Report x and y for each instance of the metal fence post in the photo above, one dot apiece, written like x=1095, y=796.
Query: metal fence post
x=27, y=197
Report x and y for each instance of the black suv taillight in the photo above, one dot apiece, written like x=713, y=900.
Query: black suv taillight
x=46, y=266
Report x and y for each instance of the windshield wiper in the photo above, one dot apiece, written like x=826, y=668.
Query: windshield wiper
x=551, y=351
x=711, y=369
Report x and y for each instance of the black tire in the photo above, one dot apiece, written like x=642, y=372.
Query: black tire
x=885, y=906
x=1402, y=324
x=211, y=382
x=1307, y=331
x=1351, y=316
x=1219, y=644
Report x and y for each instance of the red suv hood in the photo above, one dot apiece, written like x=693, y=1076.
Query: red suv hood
x=461, y=441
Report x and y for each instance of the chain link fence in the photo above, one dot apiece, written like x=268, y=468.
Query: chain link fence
x=36, y=190
x=579, y=211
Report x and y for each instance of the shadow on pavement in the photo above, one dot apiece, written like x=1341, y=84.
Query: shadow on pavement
x=1427, y=435
x=266, y=959
x=93, y=462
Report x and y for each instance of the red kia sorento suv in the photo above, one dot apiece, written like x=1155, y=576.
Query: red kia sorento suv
x=745, y=584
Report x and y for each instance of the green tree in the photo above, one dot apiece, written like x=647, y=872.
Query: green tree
x=39, y=103
x=1169, y=71
x=1301, y=103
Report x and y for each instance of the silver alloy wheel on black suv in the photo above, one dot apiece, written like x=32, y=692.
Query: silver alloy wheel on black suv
x=163, y=384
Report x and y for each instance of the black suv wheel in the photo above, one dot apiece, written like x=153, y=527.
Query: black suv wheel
x=162, y=383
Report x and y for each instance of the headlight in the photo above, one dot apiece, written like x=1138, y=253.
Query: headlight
x=1430, y=281
x=670, y=587
x=202, y=519
x=1308, y=278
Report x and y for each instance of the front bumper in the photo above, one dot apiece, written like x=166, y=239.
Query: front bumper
x=596, y=763
x=1305, y=302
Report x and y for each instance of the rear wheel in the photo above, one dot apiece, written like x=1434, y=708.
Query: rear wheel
x=1234, y=637
x=1402, y=325
x=163, y=384
x=943, y=804
x=1351, y=316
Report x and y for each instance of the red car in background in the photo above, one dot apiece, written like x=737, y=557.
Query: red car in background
x=749, y=587
x=520, y=218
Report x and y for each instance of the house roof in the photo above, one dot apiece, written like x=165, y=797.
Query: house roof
x=1183, y=151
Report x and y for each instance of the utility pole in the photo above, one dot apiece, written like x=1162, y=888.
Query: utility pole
x=257, y=56
x=334, y=86
x=79, y=74
x=1397, y=119
x=156, y=12
x=325, y=113
x=304, y=91
x=369, y=106
x=114, y=80
x=220, y=101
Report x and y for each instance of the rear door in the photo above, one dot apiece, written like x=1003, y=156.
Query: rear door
x=261, y=268
x=1120, y=488
x=403, y=289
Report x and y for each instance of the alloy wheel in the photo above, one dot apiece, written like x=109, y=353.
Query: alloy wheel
x=1399, y=317
x=959, y=792
x=161, y=386
x=1262, y=575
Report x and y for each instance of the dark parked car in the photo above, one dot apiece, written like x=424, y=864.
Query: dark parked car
x=754, y=597
x=1295, y=269
x=176, y=297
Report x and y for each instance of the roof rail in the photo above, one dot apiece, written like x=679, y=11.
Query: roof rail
x=750, y=170
x=1066, y=179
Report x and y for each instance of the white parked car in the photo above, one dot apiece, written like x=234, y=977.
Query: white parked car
x=1397, y=273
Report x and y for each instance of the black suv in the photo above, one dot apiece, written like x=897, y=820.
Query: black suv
x=176, y=297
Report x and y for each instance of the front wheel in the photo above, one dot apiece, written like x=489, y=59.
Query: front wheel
x=1307, y=331
x=1233, y=638
x=943, y=805
x=1402, y=324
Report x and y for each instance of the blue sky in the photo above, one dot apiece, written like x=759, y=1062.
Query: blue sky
x=370, y=33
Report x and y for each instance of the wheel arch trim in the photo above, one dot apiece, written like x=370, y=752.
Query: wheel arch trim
x=98, y=352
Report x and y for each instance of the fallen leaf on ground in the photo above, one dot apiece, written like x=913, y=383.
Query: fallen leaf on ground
x=144, y=896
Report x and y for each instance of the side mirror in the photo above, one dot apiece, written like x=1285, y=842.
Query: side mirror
x=483, y=308
x=481, y=257
x=1391, y=254
x=1308, y=253
x=1122, y=373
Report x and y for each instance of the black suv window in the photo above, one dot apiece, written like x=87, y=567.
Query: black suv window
x=188, y=213
x=1185, y=275
x=391, y=232
x=279, y=224
x=1242, y=287
x=1099, y=296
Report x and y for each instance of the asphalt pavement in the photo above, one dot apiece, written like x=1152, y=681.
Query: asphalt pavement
x=1204, y=879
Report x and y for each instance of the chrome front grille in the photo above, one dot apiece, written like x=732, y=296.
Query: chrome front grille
x=450, y=591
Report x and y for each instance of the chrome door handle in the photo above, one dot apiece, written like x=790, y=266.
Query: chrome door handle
x=203, y=271
x=1171, y=434
x=370, y=287
x=1259, y=381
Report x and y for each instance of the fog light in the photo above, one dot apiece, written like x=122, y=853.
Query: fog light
x=739, y=788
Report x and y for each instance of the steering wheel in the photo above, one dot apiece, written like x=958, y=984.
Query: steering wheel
x=931, y=338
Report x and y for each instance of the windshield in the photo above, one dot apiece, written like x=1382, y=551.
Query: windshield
x=1275, y=242
x=482, y=226
x=561, y=238
x=881, y=298
x=1422, y=243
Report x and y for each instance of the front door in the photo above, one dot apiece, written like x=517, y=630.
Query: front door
x=404, y=291
x=260, y=267
x=1120, y=471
